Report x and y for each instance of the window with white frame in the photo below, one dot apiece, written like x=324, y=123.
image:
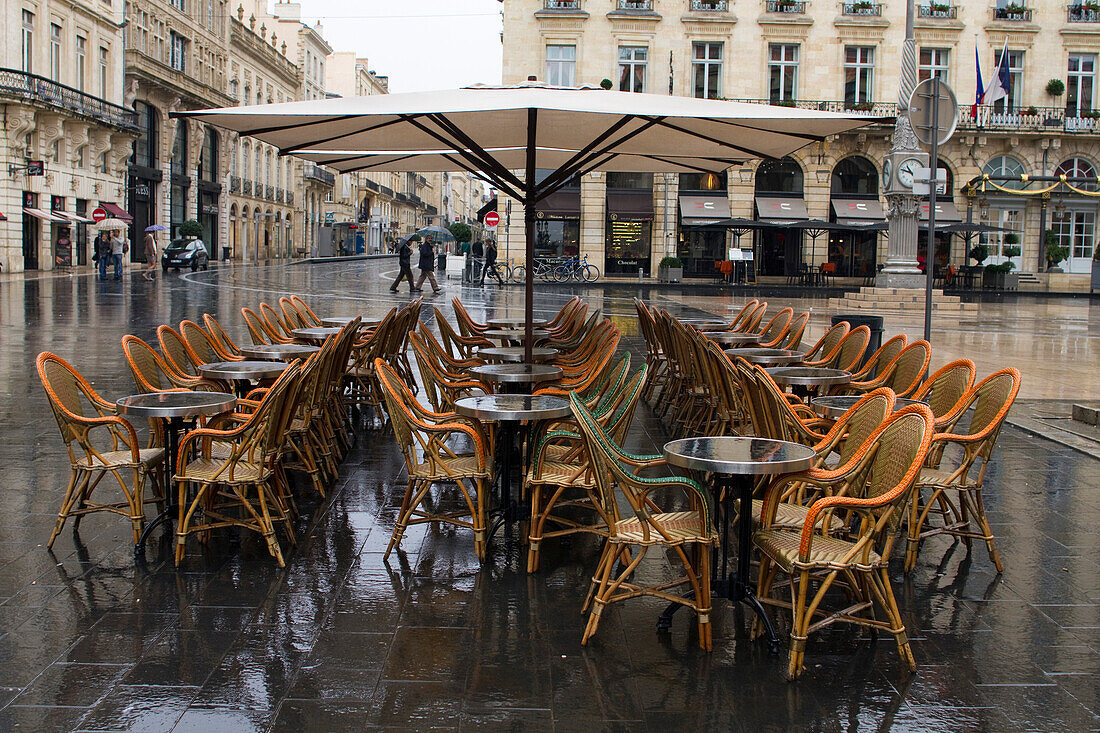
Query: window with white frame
x=104, y=71
x=1006, y=171
x=1076, y=231
x=55, y=52
x=1081, y=83
x=859, y=71
x=178, y=5
x=81, y=61
x=1079, y=168
x=933, y=63
x=561, y=65
x=1012, y=102
x=706, y=70
x=179, y=51
x=27, y=50
x=234, y=89
x=782, y=72
x=632, y=68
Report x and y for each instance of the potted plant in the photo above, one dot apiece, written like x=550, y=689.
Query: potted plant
x=670, y=270
x=1056, y=87
x=939, y=9
x=979, y=253
x=1011, y=246
x=1031, y=111
x=1000, y=277
x=190, y=229
x=1055, y=252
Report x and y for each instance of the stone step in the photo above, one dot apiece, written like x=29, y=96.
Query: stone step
x=843, y=304
x=916, y=297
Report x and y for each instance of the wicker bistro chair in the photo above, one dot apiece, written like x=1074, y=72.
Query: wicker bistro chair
x=561, y=475
x=440, y=354
x=751, y=323
x=443, y=387
x=791, y=333
x=202, y=344
x=824, y=351
x=312, y=318
x=746, y=310
x=260, y=331
x=220, y=340
x=583, y=381
x=945, y=391
x=292, y=316
x=275, y=321
x=881, y=358
x=852, y=348
x=466, y=323
x=954, y=493
x=459, y=347
x=423, y=437
x=152, y=374
x=872, y=490
x=100, y=443
x=305, y=437
x=656, y=359
x=177, y=353
x=686, y=535
x=903, y=374
x=774, y=331
x=237, y=486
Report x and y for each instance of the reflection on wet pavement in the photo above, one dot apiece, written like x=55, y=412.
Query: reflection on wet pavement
x=340, y=640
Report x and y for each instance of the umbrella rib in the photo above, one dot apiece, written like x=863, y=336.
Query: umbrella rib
x=673, y=161
x=485, y=161
x=709, y=138
x=322, y=141
x=488, y=177
x=552, y=180
x=809, y=138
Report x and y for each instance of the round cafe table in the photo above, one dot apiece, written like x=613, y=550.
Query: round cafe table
x=516, y=353
x=803, y=379
x=175, y=410
x=278, y=352
x=732, y=338
x=243, y=373
x=705, y=324
x=768, y=357
x=735, y=462
x=835, y=406
x=315, y=333
x=341, y=321
x=515, y=322
x=510, y=410
x=515, y=334
x=517, y=378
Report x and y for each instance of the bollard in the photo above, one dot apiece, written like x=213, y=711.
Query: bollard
x=639, y=275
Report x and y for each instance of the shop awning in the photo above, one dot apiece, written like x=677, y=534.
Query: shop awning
x=117, y=212
x=857, y=211
x=76, y=218
x=781, y=210
x=490, y=206
x=630, y=203
x=44, y=215
x=699, y=210
x=946, y=213
x=561, y=205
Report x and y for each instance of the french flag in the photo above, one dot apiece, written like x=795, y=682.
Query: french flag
x=1000, y=86
x=979, y=94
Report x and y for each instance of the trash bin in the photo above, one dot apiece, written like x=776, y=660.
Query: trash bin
x=225, y=253
x=441, y=262
x=872, y=322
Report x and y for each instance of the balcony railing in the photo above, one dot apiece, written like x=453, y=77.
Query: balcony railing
x=721, y=6
x=290, y=197
x=562, y=4
x=246, y=187
x=937, y=10
x=34, y=88
x=234, y=184
x=635, y=4
x=1084, y=14
x=269, y=192
x=1016, y=13
x=319, y=174
x=279, y=195
x=861, y=7
x=794, y=7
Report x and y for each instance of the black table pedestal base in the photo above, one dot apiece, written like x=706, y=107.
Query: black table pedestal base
x=172, y=428
x=508, y=509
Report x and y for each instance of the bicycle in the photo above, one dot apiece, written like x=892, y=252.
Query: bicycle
x=576, y=268
x=545, y=268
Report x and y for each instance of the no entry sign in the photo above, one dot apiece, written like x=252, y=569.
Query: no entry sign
x=492, y=219
x=99, y=215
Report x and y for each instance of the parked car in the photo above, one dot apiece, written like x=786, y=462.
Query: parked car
x=185, y=253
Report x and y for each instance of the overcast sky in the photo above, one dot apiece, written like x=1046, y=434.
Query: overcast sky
x=420, y=44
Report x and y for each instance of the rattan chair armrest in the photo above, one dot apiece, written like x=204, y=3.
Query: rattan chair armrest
x=115, y=424
x=197, y=433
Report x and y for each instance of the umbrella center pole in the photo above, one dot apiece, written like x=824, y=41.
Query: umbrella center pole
x=529, y=234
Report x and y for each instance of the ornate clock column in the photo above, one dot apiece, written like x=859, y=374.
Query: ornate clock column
x=902, y=207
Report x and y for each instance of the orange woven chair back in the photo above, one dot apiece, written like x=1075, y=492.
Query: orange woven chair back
x=823, y=349
x=260, y=331
x=177, y=353
x=466, y=323
x=944, y=391
x=793, y=338
x=852, y=348
x=222, y=341
x=862, y=420
x=777, y=326
x=150, y=372
x=291, y=316
x=885, y=354
x=200, y=343
x=907, y=370
x=991, y=399
x=752, y=323
x=274, y=321
x=305, y=310
x=742, y=315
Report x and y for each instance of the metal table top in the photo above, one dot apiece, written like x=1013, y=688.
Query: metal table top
x=518, y=373
x=176, y=404
x=739, y=455
x=769, y=357
x=243, y=369
x=510, y=407
x=515, y=334
x=732, y=337
x=316, y=333
x=516, y=353
x=278, y=352
x=809, y=376
x=705, y=324
x=341, y=321
x=837, y=406
x=515, y=322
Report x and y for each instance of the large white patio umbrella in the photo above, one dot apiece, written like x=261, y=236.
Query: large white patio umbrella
x=496, y=131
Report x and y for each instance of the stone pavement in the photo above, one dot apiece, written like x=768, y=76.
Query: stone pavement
x=340, y=640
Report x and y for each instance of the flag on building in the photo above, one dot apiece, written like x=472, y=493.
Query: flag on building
x=1000, y=85
x=979, y=93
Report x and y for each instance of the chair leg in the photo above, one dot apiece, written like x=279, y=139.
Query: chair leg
x=72, y=493
x=978, y=507
x=799, y=624
x=402, y=518
x=897, y=628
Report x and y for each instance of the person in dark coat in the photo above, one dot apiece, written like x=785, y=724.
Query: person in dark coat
x=427, y=265
x=404, y=260
x=490, y=267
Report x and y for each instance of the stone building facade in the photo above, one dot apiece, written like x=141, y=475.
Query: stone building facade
x=67, y=135
x=831, y=56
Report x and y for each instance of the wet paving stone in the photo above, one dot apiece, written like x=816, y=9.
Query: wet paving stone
x=342, y=639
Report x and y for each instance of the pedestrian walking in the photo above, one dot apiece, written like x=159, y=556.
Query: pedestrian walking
x=427, y=265
x=404, y=260
x=477, y=252
x=491, y=263
x=150, y=255
x=119, y=247
x=101, y=253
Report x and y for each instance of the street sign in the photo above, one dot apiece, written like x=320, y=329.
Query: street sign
x=99, y=215
x=492, y=219
x=923, y=179
x=925, y=115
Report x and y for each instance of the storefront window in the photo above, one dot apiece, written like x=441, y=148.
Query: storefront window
x=557, y=237
x=700, y=248
x=702, y=182
x=628, y=245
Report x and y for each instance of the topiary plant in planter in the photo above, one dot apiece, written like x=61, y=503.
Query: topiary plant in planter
x=670, y=270
x=190, y=228
x=979, y=253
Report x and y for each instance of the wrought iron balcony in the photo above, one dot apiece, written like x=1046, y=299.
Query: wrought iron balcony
x=316, y=173
x=246, y=187
x=386, y=191
x=871, y=109
x=34, y=88
x=721, y=6
x=1084, y=13
x=269, y=192
x=1015, y=13
x=937, y=10
x=234, y=184
x=794, y=7
x=562, y=4
x=290, y=197
x=635, y=5
x=279, y=195
x=861, y=7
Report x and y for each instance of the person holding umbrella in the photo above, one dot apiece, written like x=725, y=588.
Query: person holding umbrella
x=119, y=247
x=151, y=251
x=404, y=260
x=427, y=265
x=101, y=249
